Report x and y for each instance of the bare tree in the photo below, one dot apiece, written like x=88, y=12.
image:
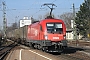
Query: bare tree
x=12, y=27
x=67, y=17
x=40, y=17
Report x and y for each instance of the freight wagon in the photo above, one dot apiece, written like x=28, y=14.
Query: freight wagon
x=18, y=35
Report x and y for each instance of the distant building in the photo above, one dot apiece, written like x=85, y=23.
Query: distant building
x=25, y=21
x=70, y=34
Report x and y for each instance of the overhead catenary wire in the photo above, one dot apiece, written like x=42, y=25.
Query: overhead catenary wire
x=38, y=11
x=54, y=1
x=35, y=7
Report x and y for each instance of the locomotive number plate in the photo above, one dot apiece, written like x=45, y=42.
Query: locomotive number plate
x=55, y=37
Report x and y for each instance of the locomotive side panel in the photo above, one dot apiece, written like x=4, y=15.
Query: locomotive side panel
x=34, y=32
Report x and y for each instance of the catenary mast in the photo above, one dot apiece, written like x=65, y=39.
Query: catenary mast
x=4, y=19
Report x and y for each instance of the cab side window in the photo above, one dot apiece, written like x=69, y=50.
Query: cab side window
x=41, y=28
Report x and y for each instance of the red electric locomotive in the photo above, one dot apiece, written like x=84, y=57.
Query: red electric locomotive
x=48, y=35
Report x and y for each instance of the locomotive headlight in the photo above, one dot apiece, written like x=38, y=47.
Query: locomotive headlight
x=65, y=37
x=46, y=37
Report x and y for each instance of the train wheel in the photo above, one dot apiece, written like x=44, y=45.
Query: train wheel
x=39, y=47
x=44, y=49
x=35, y=46
x=31, y=46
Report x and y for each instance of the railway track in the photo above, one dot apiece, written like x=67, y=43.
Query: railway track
x=75, y=53
x=4, y=50
x=79, y=43
x=68, y=57
x=75, y=56
x=72, y=53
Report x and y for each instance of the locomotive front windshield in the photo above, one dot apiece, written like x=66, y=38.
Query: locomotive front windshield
x=54, y=28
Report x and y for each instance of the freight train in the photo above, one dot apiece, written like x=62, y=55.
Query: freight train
x=1, y=39
x=48, y=35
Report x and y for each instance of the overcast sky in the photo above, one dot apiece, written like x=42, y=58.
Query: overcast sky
x=17, y=9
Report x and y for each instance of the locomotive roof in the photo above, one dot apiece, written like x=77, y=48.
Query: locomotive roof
x=51, y=19
x=47, y=20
